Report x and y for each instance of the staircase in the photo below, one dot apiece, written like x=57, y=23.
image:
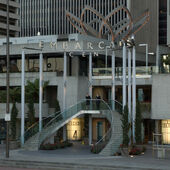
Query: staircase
x=53, y=123
x=116, y=136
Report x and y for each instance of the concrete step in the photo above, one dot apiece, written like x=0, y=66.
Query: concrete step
x=52, y=165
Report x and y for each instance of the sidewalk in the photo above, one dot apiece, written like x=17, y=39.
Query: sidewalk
x=81, y=155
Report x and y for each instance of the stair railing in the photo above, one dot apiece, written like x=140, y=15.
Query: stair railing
x=33, y=129
x=100, y=145
x=63, y=117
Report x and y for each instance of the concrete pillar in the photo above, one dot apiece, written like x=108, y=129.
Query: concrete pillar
x=40, y=90
x=90, y=129
x=65, y=132
x=157, y=59
x=45, y=63
x=134, y=93
x=113, y=80
x=75, y=66
x=129, y=83
x=27, y=64
x=90, y=75
x=64, y=81
x=22, y=98
x=64, y=93
x=124, y=75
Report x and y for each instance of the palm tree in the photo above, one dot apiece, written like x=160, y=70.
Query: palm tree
x=32, y=96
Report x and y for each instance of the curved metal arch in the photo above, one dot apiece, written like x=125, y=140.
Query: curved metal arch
x=100, y=16
x=72, y=18
x=114, y=12
x=116, y=36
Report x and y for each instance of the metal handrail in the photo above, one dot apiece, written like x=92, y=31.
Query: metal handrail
x=78, y=107
x=36, y=124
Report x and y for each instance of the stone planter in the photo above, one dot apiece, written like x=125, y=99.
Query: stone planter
x=14, y=144
x=124, y=151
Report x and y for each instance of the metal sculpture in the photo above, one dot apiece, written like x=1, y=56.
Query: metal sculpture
x=122, y=30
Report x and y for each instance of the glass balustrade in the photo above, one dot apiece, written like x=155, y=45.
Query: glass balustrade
x=140, y=70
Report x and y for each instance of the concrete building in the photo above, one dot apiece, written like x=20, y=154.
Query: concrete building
x=13, y=18
x=76, y=65
x=49, y=17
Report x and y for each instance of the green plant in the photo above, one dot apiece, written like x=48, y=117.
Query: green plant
x=138, y=123
x=32, y=96
x=125, y=126
x=14, y=113
x=135, y=151
x=14, y=94
x=56, y=145
x=32, y=90
x=31, y=113
x=57, y=106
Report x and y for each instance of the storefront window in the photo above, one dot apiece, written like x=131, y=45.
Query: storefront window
x=166, y=131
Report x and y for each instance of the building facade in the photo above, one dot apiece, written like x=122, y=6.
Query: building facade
x=49, y=16
x=69, y=80
x=13, y=18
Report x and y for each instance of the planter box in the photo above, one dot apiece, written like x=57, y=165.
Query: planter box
x=14, y=145
x=161, y=153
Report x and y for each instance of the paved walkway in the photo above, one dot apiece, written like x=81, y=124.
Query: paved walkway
x=80, y=154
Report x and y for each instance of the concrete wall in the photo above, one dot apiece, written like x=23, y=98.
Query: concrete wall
x=168, y=22
x=149, y=33
x=161, y=97
x=77, y=87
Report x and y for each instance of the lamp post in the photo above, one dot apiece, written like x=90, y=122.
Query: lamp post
x=7, y=84
x=145, y=45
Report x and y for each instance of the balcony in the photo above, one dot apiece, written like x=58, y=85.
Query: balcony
x=141, y=72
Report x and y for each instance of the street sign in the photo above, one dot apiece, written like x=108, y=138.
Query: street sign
x=7, y=117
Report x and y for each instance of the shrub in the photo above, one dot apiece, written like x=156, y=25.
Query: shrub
x=14, y=113
x=138, y=123
x=135, y=151
x=54, y=146
x=125, y=126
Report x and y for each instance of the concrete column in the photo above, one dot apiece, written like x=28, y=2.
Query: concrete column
x=45, y=63
x=75, y=66
x=27, y=64
x=22, y=98
x=134, y=93
x=90, y=129
x=124, y=75
x=64, y=132
x=157, y=59
x=129, y=83
x=64, y=81
x=40, y=90
x=157, y=138
x=147, y=58
x=156, y=126
x=113, y=80
x=64, y=93
x=90, y=75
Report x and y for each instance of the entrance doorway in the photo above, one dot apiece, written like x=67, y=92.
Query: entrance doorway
x=99, y=130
